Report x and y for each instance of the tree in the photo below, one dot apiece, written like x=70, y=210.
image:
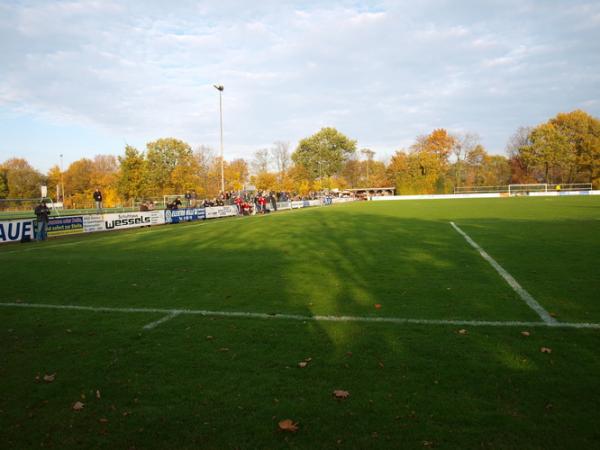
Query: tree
x=550, y=154
x=3, y=185
x=205, y=158
x=162, y=157
x=280, y=153
x=21, y=180
x=369, y=154
x=54, y=178
x=324, y=153
x=236, y=174
x=131, y=179
x=428, y=162
x=463, y=144
x=582, y=131
x=260, y=162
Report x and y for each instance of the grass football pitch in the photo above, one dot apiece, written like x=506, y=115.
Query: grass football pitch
x=208, y=334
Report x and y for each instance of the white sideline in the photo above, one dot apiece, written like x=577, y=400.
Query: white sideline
x=394, y=320
x=525, y=296
x=159, y=321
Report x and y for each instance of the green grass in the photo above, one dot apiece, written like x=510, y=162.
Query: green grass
x=411, y=386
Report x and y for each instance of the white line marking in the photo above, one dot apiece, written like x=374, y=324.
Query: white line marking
x=163, y=320
x=395, y=320
x=525, y=296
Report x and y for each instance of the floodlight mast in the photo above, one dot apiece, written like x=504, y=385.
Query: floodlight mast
x=220, y=88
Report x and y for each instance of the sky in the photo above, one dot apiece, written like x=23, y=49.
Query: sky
x=81, y=78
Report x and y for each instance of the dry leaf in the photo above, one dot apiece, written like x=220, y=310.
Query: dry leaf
x=525, y=333
x=463, y=331
x=223, y=349
x=288, y=425
x=381, y=364
x=377, y=305
x=49, y=378
x=103, y=420
x=97, y=394
x=302, y=364
x=209, y=338
x=307, y=360
x=545, y=350
x=78, y=406
x=338, y=393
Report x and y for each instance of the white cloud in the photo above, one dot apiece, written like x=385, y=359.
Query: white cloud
x=381, y=72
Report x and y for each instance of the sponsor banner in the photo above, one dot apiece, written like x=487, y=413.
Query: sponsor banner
x=342, y=200
x=213, y=212
x=184, y=215
x=93, y=222
x=555, y=193
x=283, y=205
x=298, y=204
x=15, y=230
x=65, y=225
x=118, y=221
x=435, y=196
x=314, y=203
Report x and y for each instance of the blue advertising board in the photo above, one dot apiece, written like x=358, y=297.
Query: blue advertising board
x=184, y=215
x=65, y=225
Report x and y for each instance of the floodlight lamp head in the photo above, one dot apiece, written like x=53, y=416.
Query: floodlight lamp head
x=219, y=87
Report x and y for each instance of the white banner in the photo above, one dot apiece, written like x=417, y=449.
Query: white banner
x=15, y=230
x=93, y=222
x=119, y=221
x=213, y=212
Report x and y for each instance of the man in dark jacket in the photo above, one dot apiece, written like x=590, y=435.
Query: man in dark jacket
x=98, y=198
x=42, y=212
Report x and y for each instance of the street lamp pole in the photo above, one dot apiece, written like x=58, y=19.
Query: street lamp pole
x=220, y=88
x=62, y=183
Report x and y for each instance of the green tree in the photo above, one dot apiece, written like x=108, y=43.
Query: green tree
x=324, y=153
x=582, y=132
x=162, y=157
x=132, y=174
x=3, y=184
x=550, y=155
x=21, y=180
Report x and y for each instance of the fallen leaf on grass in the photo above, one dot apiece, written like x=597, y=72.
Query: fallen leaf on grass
x=545, y=350
x=208, y=338
x=223, y=349
x=78, y=406
x=97, y=394
x=103, y=420
x=302, y=364
x=49, y=378
x=377, y=305
x=338, y=393
x=463, y=331
x=288, y=425
x=525, y=333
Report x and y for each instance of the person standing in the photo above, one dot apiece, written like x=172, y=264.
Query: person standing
x=188, y=199
x=42, y=213
x=98, y=198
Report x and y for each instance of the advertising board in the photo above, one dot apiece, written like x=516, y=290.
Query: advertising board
x=15, y=230
x=213, y=212
x=65, y=225
x=184, y=215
